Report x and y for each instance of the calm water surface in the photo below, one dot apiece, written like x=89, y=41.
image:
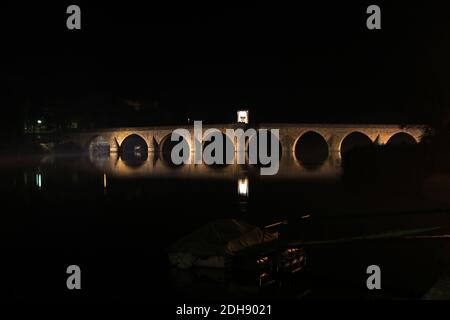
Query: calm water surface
x=115, y=217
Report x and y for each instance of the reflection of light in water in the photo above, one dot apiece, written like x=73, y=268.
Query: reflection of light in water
x=243, y=187
x=154, y=165
x=104, y=180
x=264, y=279
x=243, y=193
x=38, y=180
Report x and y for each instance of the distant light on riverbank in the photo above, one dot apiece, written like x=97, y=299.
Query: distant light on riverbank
x=39, y=180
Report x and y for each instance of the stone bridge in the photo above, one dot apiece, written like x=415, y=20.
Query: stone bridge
x=334, y=136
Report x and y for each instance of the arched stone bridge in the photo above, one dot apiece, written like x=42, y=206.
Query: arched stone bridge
x=334, y=135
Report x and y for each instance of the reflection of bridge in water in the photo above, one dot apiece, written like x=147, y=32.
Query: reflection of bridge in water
x=290, y=168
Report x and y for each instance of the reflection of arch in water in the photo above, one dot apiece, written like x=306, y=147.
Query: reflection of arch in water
x=311, y=150
x=402, y=138
x=166, y=146
x=103, y=163
x=289, y=169
x=253, y=144
x=227, y=149
x=134, y=150
x=354, y=140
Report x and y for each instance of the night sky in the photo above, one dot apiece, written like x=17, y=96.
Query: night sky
x=161, y=63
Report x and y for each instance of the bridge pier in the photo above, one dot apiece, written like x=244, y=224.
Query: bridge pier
x=335, y=159
x=334, y=150
x=287, y=144
x=114, y=149
x=152, y=145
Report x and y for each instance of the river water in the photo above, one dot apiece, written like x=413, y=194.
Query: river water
x=116, y=217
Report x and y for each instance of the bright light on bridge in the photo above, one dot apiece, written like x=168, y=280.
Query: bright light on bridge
x=242, y=116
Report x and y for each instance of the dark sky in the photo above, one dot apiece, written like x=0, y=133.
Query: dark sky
x=136, y=64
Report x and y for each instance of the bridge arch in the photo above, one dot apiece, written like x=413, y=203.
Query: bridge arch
x=227, y=145
x=98, y=145
x=311, y=148
x=402, y=138
x=134, y=148
x=354, y=140
x=271, y=136
x=166, y=146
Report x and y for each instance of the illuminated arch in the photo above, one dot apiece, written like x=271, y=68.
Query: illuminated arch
x=99, y=145
x=134, y=148
x=228, y=146
x=354, y=140
x=311, y=148
x=402, y=138
x=271, y=136
x=165, y=148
